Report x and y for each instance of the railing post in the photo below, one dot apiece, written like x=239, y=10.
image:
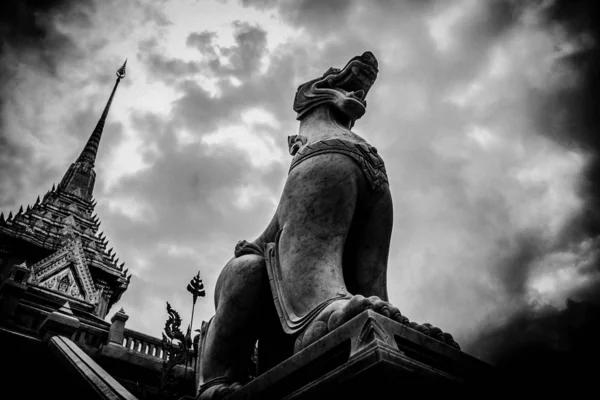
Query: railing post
x=82, y=337
x=117, y=328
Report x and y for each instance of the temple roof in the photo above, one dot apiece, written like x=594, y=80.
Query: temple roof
x=66, y=214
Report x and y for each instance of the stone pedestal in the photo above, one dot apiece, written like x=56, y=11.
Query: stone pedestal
x=371, y=356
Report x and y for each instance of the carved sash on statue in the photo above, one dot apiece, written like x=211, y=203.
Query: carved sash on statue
x=363, y=153
x=290, y=322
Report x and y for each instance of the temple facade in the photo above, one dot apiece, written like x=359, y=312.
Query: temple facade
x=57, y=244
x=58, y=281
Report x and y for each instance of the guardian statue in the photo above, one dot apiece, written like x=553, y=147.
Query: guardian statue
x=323, y=257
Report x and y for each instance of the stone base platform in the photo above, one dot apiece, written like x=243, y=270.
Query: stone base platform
x=372, y=357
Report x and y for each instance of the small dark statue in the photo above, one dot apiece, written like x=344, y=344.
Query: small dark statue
x=178, y=346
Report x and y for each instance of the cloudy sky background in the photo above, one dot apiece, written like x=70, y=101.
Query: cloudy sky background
x=482, y=111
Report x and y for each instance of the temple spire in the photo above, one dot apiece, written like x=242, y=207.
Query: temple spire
x=80, y=177
x=90, y=150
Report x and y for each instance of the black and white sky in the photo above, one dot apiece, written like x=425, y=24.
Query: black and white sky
x=485, y=112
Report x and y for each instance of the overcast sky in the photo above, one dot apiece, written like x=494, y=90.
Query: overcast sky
x=477, y=112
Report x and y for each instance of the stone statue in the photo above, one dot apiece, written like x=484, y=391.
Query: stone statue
x=323, y=258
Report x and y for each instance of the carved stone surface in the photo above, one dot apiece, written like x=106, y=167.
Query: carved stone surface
x=323, y=258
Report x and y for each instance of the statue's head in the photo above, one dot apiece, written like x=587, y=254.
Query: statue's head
x=344, y=89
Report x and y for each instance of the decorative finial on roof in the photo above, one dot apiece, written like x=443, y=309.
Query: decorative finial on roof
x=23, y=265
x=121, y=71
x=66, y=309
x=91, y=148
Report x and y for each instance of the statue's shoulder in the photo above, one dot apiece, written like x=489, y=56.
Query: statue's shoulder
x=336, y=144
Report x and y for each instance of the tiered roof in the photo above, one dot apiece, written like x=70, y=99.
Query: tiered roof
x=64, y=222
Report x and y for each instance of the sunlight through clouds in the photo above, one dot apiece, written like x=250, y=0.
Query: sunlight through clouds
x=559, y=273
x=261, y=149
x=483, y=137
x=441, y=25
x=126, y=160
x=132, y=208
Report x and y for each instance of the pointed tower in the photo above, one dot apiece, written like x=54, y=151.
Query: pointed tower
x=58, y=237
x=80, y=176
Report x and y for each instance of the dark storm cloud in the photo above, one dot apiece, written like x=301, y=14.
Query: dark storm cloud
x=260, y=4
x=168, y=69
x=513, y=269
x=29, y=24
x=251, y=43
x=203, y=41
x=546, y=350
x=492, y=19
x=571, y=115
x=243, y=61
x=243, y=58
x=318, y=16
x=171, y=67
x=202, y=113
x=199, y=111
x=28, y=32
